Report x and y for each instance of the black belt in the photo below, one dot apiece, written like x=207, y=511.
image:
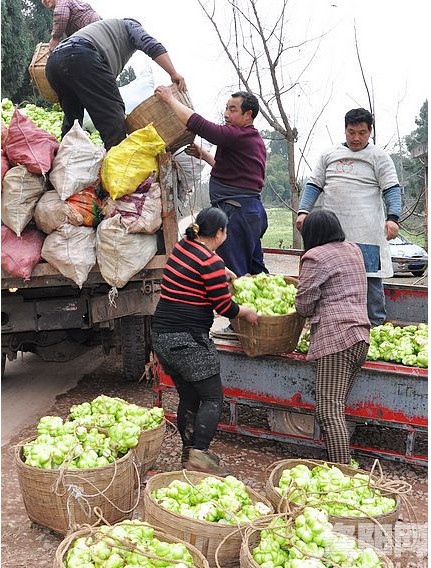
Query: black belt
x=228, y=201
x=71, y=41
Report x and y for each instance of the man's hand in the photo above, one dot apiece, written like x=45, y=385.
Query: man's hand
x=200, y=153
x=195, y=151
x=300, y=221
x=179, y=81
x=53, y=44
x=391, y=229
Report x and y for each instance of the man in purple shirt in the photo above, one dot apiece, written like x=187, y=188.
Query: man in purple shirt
x=69, y=17
x=83, y=68
x=237, y=175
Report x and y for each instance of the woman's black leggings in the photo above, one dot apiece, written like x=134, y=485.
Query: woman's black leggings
x=199, y=410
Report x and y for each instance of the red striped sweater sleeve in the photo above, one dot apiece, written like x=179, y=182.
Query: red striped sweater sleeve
x=194, y=275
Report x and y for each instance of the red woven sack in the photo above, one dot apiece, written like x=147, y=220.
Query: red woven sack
x=28, y=145
x=19, y=255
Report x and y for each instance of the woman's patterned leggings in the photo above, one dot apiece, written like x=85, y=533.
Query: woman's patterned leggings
x=335, y=375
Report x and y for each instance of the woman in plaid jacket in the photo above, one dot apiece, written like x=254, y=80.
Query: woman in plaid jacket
x=332, y=293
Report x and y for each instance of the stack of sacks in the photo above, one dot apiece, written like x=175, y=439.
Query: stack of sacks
x=55, y=196
x=27, y=156
x=126, y=239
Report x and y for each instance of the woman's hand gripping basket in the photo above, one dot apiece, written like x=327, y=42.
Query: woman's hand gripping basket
x=279, y=326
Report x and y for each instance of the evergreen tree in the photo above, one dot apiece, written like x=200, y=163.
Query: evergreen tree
x=25, y=23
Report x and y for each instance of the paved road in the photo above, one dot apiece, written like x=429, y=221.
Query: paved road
x=30, y=385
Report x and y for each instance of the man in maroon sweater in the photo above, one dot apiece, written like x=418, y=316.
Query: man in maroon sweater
x=237, y=175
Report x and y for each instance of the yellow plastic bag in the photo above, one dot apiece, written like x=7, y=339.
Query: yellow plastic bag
x=129, y=163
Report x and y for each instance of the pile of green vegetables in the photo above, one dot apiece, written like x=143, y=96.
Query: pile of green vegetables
x=328, y=488
x=224, y=501
x=310, y=542
x=395, y=344
x=407, y=345
x=126, y=544
x=267, y=294
x=95, y=435
x=49, y=119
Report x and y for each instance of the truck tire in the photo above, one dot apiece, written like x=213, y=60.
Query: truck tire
x=135, y=345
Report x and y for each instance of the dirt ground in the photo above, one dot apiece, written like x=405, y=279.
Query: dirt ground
x=27, y=545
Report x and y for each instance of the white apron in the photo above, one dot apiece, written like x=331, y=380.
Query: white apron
x=352, y=185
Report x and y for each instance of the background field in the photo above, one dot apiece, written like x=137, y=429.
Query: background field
x=279, y=233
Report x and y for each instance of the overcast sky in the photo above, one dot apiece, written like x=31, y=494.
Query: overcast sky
x=392, y=41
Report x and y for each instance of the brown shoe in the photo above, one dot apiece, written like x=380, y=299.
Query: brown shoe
x=185, y=455
x=202, y=460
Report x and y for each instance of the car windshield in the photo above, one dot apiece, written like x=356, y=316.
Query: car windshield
x=400, y=240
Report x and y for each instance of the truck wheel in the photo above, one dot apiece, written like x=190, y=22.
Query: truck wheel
x=135, y=345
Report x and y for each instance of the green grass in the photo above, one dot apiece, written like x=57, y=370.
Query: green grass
x=279, y=233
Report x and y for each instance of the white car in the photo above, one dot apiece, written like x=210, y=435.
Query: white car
x=408, y=257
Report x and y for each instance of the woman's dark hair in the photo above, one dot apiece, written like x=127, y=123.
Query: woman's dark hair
x=249, y=102
x=207, y=223
x=321, y=227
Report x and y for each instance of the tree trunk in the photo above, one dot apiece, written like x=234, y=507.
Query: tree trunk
x=294, y=188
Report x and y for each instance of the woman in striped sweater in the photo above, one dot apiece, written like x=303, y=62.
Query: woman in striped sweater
x=194, y=285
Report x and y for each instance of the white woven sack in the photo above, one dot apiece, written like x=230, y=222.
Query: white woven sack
x=72, y=251
x=77, y=163
x=121, y=255
x=20, y=193
x=150, y=219
x=51, y=212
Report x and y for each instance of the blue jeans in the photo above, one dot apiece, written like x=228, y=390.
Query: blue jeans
x=376, y=301
x=242, y=250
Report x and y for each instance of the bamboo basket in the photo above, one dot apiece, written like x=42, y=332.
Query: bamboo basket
x=252, y=539
x=204, y=535
x=38, y=75
x=62, y=499
x=199, y=561
x=281, y=504
x=168, y=126
x=148, y=449
x=272, y=334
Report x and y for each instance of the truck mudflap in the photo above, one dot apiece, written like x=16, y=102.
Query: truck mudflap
x=383, y=394
x=137, y=301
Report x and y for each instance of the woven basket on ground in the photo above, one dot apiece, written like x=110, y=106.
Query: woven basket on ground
x=148, y=449
x=204, y=535
x=199, y=561
x=168, y=126
x=62, y=499
x=252, y=539
x=282, y=505
x=37, y=73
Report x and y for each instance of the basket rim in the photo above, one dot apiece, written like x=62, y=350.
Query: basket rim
x=21, y=463
x=270, y=486
x=158, y=533
x=223, y=528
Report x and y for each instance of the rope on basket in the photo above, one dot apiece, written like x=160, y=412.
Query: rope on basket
x=76, y=494
x=110, y=540
x=386, y=486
